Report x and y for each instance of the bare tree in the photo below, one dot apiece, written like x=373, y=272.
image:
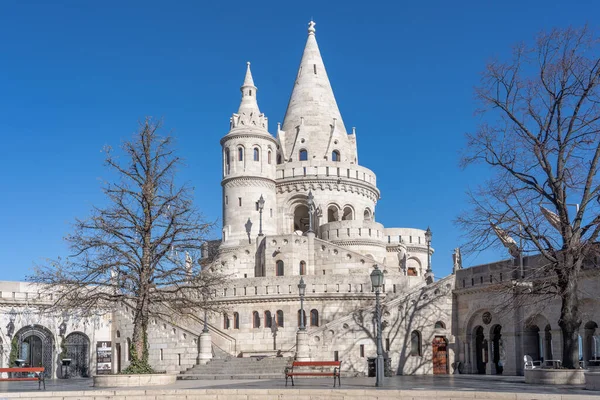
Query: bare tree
x=140, y=248
x=540, y=139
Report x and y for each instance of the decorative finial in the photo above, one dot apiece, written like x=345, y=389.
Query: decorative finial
x=248, y=63
x=311, y=27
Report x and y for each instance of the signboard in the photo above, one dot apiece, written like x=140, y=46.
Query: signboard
x=103, y=358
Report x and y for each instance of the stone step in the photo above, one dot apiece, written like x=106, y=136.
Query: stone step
x=230, y=376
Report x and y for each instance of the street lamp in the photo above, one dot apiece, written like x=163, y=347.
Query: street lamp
x=377, y=283
x=302, y=292
x=428, y=236
x=429, y=273
x=311, y=209
x=261, y=205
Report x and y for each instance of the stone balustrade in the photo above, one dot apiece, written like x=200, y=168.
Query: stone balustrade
x=344, y=171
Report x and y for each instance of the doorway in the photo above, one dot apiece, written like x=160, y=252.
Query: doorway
x=118, y=349
x=498, y=352
x=78, y=347
x=440, y=356
x=36, y=347
x=481, y=353
x=31, y=351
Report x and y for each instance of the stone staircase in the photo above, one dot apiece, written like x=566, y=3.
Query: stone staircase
x=238, y=368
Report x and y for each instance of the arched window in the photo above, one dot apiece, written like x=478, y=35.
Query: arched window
x=278, y=159
x=268, y=319
x=367, y=215
x=269, y=157
x=225, y=321
x=241, y=154
x=415, y=343
x=335, y=156
x=236, y=320
x=256, y=154
x=255, y=319
x=348, y=215
x=304, y=319
x=279, y=318
x=314, y=317
x=303, y=155
x=302, y=268
x=439, y=325
x=227, y=162
x=279, y=268
x=332, y=213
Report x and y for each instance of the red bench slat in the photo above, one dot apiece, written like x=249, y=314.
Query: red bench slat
x=23, y=369
x=311, y=373
x=316, y=363
x=19, y=379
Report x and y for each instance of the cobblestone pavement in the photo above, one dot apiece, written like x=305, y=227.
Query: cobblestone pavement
x=462, y=383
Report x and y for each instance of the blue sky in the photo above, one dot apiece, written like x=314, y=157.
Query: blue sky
x=78, y=75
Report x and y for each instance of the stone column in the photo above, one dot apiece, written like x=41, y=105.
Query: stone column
x=205, y=353
x=310, y=262
x=302, y=347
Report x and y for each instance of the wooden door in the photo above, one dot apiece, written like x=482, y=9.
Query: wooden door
x=440, y=356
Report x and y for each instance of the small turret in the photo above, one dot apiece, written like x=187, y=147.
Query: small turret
x=249, y=164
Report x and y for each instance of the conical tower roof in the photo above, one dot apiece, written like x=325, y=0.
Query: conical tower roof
x=249, y=115
x=312, y=108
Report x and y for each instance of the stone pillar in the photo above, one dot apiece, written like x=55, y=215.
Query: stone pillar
x=310, y=262
x=205, y=353
x=302, y=347
x=557, y=349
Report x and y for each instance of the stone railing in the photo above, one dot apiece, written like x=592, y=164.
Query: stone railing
x=352, y=229
x=350, y=172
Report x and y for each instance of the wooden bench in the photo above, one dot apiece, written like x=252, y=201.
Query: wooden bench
x=292, y=371
x=37, y=371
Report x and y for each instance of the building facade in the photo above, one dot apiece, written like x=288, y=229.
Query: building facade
x=298, y=205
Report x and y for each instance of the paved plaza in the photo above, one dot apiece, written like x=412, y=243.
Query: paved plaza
x=399, y=387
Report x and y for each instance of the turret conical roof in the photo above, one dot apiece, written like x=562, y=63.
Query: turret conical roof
x=312, y=103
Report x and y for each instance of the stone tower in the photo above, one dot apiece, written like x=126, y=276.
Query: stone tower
x=249, y=161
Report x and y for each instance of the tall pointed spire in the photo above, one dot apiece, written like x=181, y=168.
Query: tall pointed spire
x=312, y=103
x=248, y=114
x=248, y=103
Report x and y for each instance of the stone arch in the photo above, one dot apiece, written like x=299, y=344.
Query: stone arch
x=36, y=347
x=534, y=343
x=333, y=212
x=78, y=350
x=348, y=213
x=480, y=350
x=591, y=342
x=413, y=266
x=368, y=214
x=497, y=350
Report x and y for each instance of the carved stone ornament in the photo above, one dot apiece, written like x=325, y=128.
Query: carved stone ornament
x=486, y=317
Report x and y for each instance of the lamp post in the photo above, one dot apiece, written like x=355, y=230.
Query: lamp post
x=311, y=209
x=377, y=283
x=429, y=273
x=302, y=347
x=302, y=292
x=261, y=205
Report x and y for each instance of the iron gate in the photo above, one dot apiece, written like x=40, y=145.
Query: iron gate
x=46, y=352
x=78, y=349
